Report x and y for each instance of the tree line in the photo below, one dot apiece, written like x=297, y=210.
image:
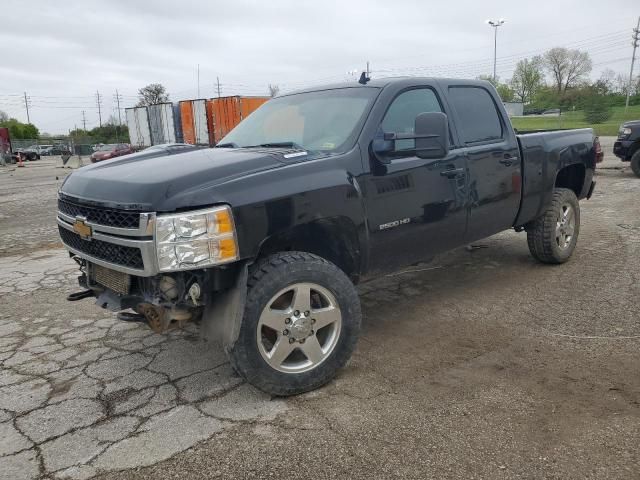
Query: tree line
x=560, y=78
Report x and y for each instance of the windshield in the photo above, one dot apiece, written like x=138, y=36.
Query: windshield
x=107, y=148
x=318, y=121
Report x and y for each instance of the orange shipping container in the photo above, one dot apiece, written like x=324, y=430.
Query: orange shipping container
x=226, y=112
x=195, y=119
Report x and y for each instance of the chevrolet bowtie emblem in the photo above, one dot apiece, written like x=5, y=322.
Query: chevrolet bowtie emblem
x=82, y=229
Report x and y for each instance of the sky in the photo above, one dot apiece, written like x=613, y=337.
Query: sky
x=62, y=52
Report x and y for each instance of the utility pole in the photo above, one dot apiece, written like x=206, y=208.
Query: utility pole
x=198, y=80
x=218, y=85
x=118, y=98
x=98, y=102
x=636, y=38
x=368, y=71
x=26, y=105
x=84, y=122
x=495, y=24
x=119, y=117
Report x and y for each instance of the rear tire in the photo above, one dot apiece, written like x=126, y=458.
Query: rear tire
x=635, y=163
x=552, y=237
x=284, y=347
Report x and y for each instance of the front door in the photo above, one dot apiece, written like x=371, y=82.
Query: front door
x=416, y=207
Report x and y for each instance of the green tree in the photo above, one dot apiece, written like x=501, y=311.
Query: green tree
x=504, y=90
x=19, y=130
x=596, y=109
x=567, y=67
x=527, y=79
x=152, y=94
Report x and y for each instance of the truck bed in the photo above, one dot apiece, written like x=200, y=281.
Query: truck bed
x=543, y=154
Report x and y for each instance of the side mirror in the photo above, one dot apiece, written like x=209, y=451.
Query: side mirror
x=432, y=135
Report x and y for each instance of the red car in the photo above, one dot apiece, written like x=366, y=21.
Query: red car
x=111, y=150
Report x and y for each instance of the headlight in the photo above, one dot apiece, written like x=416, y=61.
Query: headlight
x=624, y=131
x=195, y=239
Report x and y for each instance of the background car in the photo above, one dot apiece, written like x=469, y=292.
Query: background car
x=59, y=150
x=29, y=153
x=110, y=150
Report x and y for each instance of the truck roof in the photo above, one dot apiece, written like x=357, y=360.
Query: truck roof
x=383, y=82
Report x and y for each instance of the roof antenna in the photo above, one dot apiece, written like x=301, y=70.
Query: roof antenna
x=363, y=78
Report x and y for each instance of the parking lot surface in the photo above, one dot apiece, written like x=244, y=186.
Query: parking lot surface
x=479, y=364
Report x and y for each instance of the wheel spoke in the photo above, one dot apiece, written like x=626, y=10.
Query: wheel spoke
x=302, y=298
x=325, y=316
x=569, y=230
x=312, y=349
x=570, y=218
x=274, y=319
x=281, y=350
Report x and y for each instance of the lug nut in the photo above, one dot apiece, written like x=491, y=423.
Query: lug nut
x=302, y=340
x=286, y=332
x=312, y=332
x=306, y=314
x=313, y=320
x=297, y=313
x=287, y=321
x=291, y=340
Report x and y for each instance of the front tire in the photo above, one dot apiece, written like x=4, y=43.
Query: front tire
x=300, y=326
x=635, y=163
x=552, y=237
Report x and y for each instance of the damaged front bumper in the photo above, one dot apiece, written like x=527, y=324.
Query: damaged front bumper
x=165, y=301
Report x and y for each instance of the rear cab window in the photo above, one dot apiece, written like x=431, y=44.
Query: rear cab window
x=479, y=120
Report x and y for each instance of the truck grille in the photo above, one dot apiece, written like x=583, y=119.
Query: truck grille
x=117, y=254
x=103, y=216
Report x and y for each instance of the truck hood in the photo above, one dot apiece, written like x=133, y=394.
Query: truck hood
x=165, y=182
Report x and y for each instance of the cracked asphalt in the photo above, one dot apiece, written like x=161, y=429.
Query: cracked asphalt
x=480, y=364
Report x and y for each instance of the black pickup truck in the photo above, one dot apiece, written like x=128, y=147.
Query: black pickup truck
x=627, y=145
x=263, y=238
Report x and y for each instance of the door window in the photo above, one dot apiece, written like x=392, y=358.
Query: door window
x=402, y=113
x=479, y=120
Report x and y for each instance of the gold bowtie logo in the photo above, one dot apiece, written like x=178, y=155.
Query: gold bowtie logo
x=82, y=229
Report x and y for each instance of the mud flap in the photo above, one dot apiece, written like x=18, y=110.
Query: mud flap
x=222, y=318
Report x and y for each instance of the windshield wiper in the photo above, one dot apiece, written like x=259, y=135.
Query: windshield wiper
x=227, y=145
x=278, y=145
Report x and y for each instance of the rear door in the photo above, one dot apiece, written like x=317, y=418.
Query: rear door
x=492, y=159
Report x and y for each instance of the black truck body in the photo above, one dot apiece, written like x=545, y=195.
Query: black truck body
x=365, y=205
x=627, y=145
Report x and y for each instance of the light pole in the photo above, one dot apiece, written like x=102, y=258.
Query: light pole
x=495, y=24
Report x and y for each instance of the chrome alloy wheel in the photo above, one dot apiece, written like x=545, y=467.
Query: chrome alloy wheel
x=565, y=226
x=299, y=328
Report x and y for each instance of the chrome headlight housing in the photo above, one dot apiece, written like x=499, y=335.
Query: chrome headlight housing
x=195, y=239
x=624, y=131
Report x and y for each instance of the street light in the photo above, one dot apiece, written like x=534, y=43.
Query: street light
x=495, y=24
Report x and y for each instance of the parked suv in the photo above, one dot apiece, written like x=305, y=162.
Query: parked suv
x=627, y=146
